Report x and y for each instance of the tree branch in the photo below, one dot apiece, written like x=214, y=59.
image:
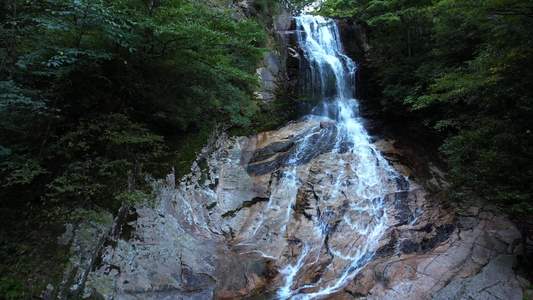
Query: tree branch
x=517, y=11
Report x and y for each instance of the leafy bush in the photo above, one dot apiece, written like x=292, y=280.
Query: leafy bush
x=88, y=89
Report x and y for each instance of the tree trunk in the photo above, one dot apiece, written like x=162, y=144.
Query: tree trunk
x=409, y=41
x=524, y=241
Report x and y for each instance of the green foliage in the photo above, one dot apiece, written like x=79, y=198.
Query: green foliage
x=465, y=67
x=88, y=89
x=261, y=4
x=11, y=288
x=494, y=161
x=28, y=265
x=296, y=6
x=106, y=156
x=20, y=170
x=171, y=64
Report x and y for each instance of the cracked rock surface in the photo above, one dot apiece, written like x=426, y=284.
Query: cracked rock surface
x=496, y=281
x=192, y=242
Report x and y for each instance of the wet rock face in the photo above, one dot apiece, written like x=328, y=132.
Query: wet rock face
x=272, y=76
x=458, y=252
x=223, y=231
x=276, y=155
x=353, y=35
x=203, y=237
x=279, y=69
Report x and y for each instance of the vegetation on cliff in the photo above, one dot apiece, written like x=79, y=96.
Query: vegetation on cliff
x=465, y=68
x=89, y=92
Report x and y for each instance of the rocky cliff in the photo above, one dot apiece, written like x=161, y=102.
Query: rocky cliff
x=190, y=242
x=231, y=229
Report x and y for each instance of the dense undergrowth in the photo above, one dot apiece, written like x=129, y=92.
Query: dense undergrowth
x=97, y=95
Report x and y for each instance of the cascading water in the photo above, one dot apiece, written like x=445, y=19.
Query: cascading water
x=340, y=238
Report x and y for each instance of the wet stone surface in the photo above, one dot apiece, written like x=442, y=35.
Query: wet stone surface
x=276, y=155
x=193, y=243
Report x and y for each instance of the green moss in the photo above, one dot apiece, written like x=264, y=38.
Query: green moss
x=203, y=179
x=102, y=284
x=204, y=168
x=270, y=116
x=183, y=148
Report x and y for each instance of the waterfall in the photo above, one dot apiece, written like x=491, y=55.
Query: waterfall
x=326, y=71
x=336, y=235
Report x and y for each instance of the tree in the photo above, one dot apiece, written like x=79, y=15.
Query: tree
x=88, y=89
x=171, y=64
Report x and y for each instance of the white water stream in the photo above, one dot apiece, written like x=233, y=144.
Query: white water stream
x=358, y=181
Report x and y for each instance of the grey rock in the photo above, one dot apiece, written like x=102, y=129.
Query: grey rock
x=282, y=21
x=272, y=63
x=268, y=79
x=201, y=240
x=495, y=281
x=85, y=237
